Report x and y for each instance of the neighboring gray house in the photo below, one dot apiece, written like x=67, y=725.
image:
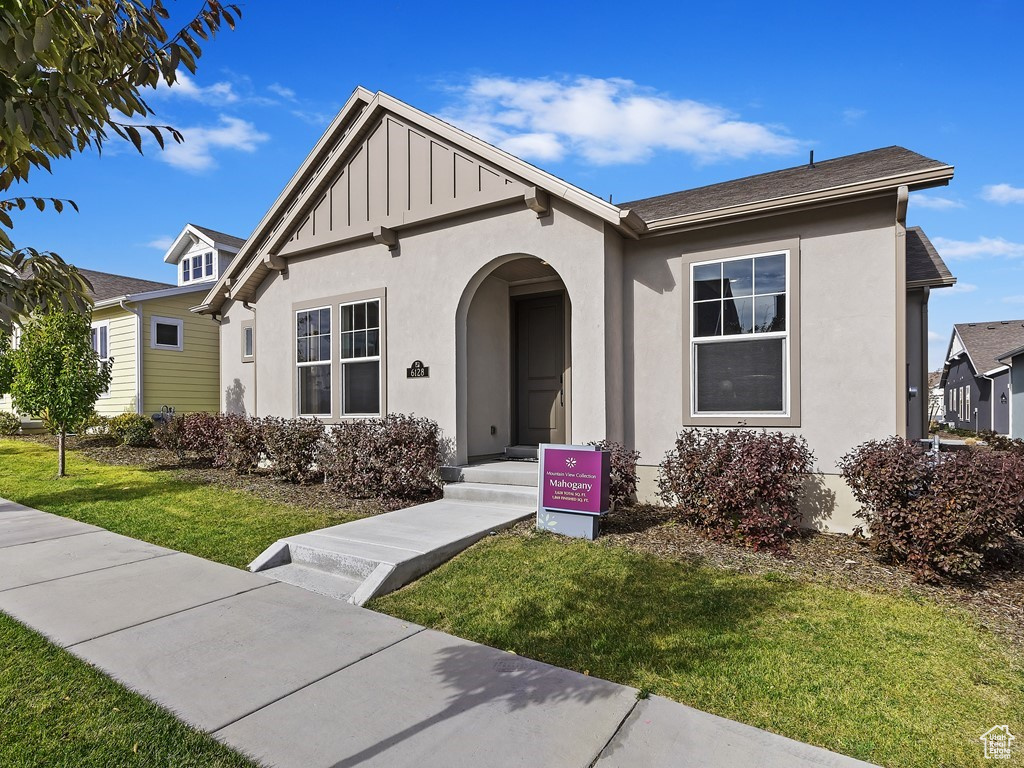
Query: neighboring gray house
x=1015, y=359
x=546, y=314
x=976, y=382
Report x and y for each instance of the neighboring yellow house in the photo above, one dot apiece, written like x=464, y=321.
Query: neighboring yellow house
x=164, y=356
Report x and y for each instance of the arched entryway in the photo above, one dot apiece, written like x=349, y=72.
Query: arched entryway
x=513, y=358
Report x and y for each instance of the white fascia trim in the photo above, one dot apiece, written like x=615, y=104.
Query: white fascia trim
x=995, y=371
x=162, y=293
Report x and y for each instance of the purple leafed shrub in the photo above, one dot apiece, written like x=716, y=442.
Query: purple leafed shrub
x=396, y=458
x=943, y=516
x=242, y=446
x=738, y=485
x=623, y=481
x=292, y=447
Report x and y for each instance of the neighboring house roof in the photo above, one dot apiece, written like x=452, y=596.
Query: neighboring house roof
x=106, y=286
x=934, y=379
x=924, y=265
x=1007, y=357
x=986, y=343
x=221, y=237
x=799, y=180
x=869, y=173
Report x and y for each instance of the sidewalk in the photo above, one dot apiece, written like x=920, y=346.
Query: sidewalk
x=293, y=678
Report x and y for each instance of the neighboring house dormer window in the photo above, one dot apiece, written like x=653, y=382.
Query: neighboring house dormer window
x=197, y=267
x=741, y=356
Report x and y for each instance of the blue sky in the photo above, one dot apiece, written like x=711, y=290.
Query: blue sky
x=629, y=101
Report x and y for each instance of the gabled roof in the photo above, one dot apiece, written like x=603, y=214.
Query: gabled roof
x=985, y=343
x=106, y=286
x=869, y=173
x=193, y=234
x=924, y=265
x=834, y=174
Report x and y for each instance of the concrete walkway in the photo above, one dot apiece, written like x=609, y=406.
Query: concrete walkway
x=294, y=678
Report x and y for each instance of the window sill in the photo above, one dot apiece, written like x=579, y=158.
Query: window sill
x=739, y=420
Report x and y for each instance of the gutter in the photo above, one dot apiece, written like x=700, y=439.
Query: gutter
x=138, y=352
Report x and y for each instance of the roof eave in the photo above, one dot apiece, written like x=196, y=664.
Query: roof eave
x=1011, y=354
x=159, y=293
x=925, y=179
x=941, y=282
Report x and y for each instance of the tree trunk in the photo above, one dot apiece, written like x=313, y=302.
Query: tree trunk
x=60, y=452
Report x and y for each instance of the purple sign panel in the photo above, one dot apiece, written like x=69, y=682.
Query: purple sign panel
x=574, y=480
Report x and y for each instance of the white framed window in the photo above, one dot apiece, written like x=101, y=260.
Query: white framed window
x=99, y=337
x=186, y=270
x=359, y=358
x=166, y=333
x=967, y=402
x=313, y=361
x=740, y=336
x=248, y=342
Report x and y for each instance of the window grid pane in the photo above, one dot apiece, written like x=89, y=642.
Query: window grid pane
x=717, y=289
x=208, y=259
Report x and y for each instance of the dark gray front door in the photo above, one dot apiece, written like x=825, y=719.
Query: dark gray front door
x=540, y=370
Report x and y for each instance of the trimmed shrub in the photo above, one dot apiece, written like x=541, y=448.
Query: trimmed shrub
x=738, y=485
x=242, y=447
x=396, y=458
x=203, y=434
x=949, y=515
x=9, y=424
x=623, y=481
x=133, y=429
x=292, y=446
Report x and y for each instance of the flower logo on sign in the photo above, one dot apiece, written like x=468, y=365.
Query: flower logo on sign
x=570, y=462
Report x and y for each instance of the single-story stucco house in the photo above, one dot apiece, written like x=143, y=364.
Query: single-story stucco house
x=164, y=356
x=411, y=267
x=976, y=378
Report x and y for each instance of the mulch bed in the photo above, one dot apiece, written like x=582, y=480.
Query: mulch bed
x=996, y=600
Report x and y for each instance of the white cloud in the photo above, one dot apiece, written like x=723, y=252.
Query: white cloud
x=282, y=91
x=219, y=93
x=1003, y=194
x=853, y=115
x=933, y=336
x=605, y=121
x=196, y=152
x=976, y=249
x=936, y=203
x=1013, y=299
x=955, y=290
x=161, y=243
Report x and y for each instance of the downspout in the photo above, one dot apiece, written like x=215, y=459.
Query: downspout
x=138, y=352
x=255, y=364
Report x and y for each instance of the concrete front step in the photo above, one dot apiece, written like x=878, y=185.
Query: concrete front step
x=495, y=472
x=315, y=580
x=490, y=493
x=521, y=452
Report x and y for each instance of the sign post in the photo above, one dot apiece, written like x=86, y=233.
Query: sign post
x=573, y=490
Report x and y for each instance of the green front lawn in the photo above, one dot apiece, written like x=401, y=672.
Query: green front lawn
x=56, y=710
x=888, y=680
x=221, y=524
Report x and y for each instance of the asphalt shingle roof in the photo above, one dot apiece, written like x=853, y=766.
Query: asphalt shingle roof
x=987, y=342
x=802, y=179
x=924, y=265
x=221, y=237
x=107, y=286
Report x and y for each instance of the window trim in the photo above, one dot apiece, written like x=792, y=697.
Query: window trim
x=248, y=325
x=311, y=363
x=334, y=302
x=791, y=347
x=342, y=361
x=96, y=325
x=155, y=320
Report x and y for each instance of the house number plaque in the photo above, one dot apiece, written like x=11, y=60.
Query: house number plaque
x=417, y=371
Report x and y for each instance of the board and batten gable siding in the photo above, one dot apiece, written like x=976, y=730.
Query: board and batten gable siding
x=187, y=380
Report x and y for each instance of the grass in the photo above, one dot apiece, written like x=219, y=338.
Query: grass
x=226, y=525
x=56, y=710
x=899, y=682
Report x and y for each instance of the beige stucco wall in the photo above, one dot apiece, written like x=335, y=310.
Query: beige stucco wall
x=431, y=283
x=847, y=326
x=489, y=371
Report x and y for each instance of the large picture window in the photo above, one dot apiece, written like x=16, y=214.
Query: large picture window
x=360, y=358
x=740, y=335
x=313, y=360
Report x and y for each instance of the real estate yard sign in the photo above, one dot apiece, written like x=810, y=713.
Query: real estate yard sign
x=573, y=491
